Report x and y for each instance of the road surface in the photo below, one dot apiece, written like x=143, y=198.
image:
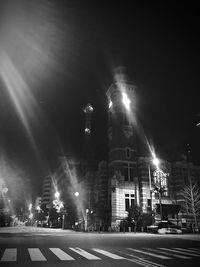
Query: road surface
x=28, y=246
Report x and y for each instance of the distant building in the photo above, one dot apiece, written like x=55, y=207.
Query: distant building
x=47, y=191
x=110, y=188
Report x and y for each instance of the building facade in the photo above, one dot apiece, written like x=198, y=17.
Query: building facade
x=133, y=179
x=107, y=193
x=47, y=191
x=122, y=159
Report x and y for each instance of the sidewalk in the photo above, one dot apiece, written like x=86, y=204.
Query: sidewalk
x=30, y=229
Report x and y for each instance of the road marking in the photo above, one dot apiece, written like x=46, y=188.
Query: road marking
x=186, y=251
x=171, y=253
x=195, y=249
x=36, y=254
x=85, y=254
x=144, y=263
x=150, y=254
x=141, y=261
x=108, y=254
x=10, y=254
x=61, y=254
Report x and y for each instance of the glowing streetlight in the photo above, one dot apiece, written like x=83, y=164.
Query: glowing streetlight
x=156, y=161
x=76, y=194
x=57, y=194
x=110, y=104
x=126, y=101
x=30, y=206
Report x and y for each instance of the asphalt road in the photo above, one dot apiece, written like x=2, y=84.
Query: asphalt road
x=56, y=247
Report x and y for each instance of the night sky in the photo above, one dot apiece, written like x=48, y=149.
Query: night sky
x=56, y=56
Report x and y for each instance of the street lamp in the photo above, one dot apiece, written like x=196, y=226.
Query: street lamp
x=30, y=212
x=57, y=194
x=156, y=162
x=86, y=219
x=76, y=194
x=126, y=101
x=160, y=182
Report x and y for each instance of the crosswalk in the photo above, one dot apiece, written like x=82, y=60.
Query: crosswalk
x=74, y=253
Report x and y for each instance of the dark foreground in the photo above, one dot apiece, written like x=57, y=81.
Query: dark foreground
x=54, y=247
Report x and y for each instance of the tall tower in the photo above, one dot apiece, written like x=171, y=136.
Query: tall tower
x=122, y=165
x=88, y=110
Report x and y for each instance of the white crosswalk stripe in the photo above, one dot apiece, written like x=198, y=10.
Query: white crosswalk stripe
x=36, y=254
x=171, y=253
x=174, y=250
x=10, y=254
x=108, y=254
x=63, y=256
x=195, y=249
x=85, y=254
x=150, y=254
x=187, y=252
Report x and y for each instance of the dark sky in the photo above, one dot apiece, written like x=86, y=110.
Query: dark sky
x=63, y=53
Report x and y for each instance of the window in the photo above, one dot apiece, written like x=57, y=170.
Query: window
x=126, y=204
x=129, y=201
x=132, y=202
x=129, y=172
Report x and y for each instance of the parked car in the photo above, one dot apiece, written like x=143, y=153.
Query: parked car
x=164, y=227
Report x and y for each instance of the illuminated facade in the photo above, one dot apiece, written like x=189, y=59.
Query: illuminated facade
x=133, y=179
x=110, y=188
x=122, y=162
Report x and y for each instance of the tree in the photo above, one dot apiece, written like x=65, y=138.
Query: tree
x=134, y=215
x=191, y=195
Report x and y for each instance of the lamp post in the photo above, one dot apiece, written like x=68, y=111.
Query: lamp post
x=160, y=182
x=157, y=175
x=156, y=162
x=86, y=219
x=150, y=188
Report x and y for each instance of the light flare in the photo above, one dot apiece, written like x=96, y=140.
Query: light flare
x=126, y=101
x=121, y=79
